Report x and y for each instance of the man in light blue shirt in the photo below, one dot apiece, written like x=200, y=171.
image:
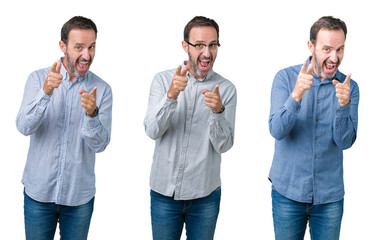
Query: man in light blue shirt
x=314, y=117
x=191, y=116
x=67, y=111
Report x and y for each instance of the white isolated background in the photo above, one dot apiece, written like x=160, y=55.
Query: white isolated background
x=137, y=39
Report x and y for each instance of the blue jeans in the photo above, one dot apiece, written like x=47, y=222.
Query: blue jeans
x=290, y=219
x=200, y=215
x=41, y=220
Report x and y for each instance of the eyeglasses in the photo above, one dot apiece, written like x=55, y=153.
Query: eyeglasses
x=201, y=47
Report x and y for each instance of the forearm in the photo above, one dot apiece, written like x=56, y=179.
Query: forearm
x=282, y=121
x=158, y=117
x=344, y=128
x=31, y=112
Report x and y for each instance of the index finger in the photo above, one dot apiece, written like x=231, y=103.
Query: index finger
x=347, y=79
x=310, y=68
x=178, y=71
x=56, y=66
x=93, y=92
x=216, y=90
x=303, y=68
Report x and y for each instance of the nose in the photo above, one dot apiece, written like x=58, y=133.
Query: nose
x=206, y=52
x=333, y=56
x=85, y=54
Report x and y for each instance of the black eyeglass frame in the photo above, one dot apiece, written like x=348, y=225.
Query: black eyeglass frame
x=205, y=45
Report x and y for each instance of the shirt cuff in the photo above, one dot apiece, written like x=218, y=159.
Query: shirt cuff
x=291, y=105
x=342, y=111
x=91, y=123
x=215, y=117
x=43, y=98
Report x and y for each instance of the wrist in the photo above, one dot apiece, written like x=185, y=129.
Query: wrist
x=93, y=114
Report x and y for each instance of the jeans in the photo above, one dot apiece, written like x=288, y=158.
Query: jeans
x=290, y=219
x=41, y=220
x=199, y=215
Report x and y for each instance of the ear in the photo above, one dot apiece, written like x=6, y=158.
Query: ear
x=62, y=47
x=311, y=46
x=185, y=46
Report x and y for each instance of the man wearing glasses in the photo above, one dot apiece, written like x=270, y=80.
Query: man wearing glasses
x=192, y=122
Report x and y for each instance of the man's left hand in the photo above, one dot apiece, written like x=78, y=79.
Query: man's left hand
x=88, y=100
x=213, y=99
x=343, y=90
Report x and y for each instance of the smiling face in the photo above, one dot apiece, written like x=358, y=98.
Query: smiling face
x=328, y=52
x=79, y=52
x=201, y=61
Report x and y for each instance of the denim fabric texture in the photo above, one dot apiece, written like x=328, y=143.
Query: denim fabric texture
x=41, y=220
x=290, y=219
x=199, y=215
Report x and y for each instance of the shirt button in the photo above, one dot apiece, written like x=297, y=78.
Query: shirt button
x=297, y=108
x=316, y=138
x=291, y=122
x=315, y=156
x=338, y=111
x=183, y=153
x=179, y=171
x=316, y=120
x=318, y=101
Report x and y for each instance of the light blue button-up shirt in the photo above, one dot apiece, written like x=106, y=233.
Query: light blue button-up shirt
x=189, y=136
x=63, y=140
x=310, y=137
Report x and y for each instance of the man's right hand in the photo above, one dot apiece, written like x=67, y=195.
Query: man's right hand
x=304, y=81
x=179, y=82
x=54, y=78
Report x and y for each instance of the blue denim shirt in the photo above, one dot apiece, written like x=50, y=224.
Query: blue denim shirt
x=310, y=137
x=63, y=140
x=189, y=136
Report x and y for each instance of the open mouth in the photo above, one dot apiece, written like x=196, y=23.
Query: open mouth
x=330, y=67
x=204, y=64
x=83, y=65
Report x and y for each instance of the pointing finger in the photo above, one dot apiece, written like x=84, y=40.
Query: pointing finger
x=216, y=90
x=178, y=71
x=58, y=66
x=93, y=92
x=347, y=80
x=82, y=91
x=184, y=70
x=303, y=68
x=53, y=68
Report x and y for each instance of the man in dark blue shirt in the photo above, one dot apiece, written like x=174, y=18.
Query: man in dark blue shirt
x=314, y=117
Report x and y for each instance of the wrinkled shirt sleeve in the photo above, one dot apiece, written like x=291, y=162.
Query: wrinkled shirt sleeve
x=33, y=106
x=284, y=109
x=346, y=120
x=222, y=125
x=160, y=110
x=96, y=131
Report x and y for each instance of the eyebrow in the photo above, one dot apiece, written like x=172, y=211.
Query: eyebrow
x=200, y=41
x=82, y=44
x=327, y=46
